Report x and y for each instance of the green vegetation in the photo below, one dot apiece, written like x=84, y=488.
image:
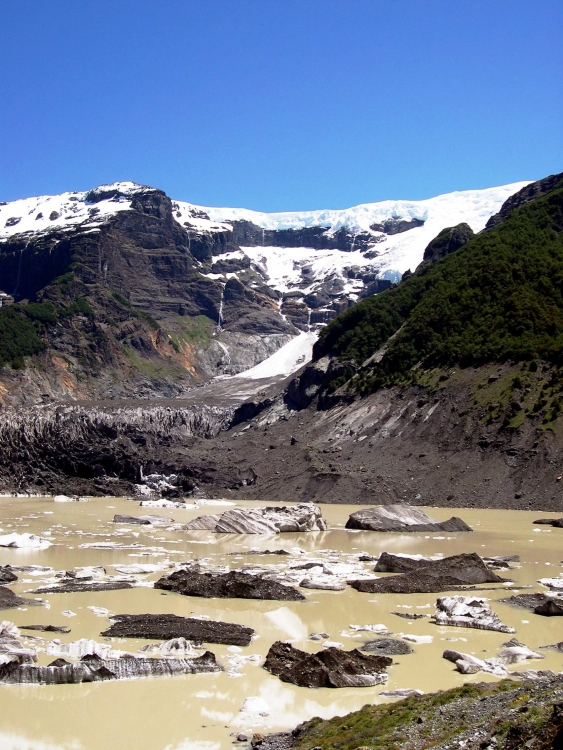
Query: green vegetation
x=498, y=298
x=20, y=329
x=424, y=721
x=139, y=314
x=79, y=306
x=194, y=330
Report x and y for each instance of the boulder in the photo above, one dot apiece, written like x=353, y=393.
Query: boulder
x=527, y=601
x=555, y=522
x=514, y=652
x=550, y=608
x=165, y=627
x=46, y=628
x=262, y=520
x=331, y=667
x=227, y=585
x=389, y=563
x=457, y=571
x=73, y=586
x=468, y=612
x=399, y=518
x=387, y=646
x=7, y=575
x=469, y=664
x=60, y=672
x=9, y=600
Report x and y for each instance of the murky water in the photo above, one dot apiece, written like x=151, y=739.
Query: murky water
x=202, y=711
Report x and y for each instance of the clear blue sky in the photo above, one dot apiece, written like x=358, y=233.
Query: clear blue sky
x=280, y=104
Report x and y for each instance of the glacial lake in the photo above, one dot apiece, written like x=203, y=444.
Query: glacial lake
x=202, y=711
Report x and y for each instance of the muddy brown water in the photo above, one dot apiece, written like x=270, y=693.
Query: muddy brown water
x=203, y=711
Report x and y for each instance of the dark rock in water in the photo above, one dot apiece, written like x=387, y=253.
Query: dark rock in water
x=389, y=563
x=7, y=575
x=330, y=667
x=409, y=615
x=60, y=662
x=387, y=646
x=550, y=608
x=8, y=600
x=457, y=571
x=262, y=552
x=141, y=520
x=165, y=627
x=61, y=672
x=527, y=601
x=227, y=585
x=555, y=522
x=501, y=562
x=399, y=518
x=74, y=586
x=46, y=628
x=556, y=646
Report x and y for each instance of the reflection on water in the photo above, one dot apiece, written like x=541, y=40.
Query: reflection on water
x=200, y=712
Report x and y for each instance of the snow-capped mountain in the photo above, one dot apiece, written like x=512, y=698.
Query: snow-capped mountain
x=225, y=288
x=315, y=262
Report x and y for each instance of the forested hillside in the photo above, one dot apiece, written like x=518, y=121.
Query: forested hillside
x=497, y=298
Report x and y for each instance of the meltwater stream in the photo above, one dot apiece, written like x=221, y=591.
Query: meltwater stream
x=202, y=711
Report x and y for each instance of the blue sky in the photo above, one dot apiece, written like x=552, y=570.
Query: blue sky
x=280, y=104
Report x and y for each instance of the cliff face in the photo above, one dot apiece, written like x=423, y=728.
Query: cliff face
x=132, y=305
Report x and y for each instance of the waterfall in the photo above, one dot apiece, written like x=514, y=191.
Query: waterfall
x=280, y=305
x=226, y=352
x=309, y=319
x=353, y=242
x=220, y=319
x=263, y=235
x=20, y=269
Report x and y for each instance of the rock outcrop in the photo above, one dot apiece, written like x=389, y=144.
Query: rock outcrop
x=400, y=518
x=331, y=667
x=165, y=627
x=264, y=520
x=448, y=241
x=457, y=571
x=234, y=585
